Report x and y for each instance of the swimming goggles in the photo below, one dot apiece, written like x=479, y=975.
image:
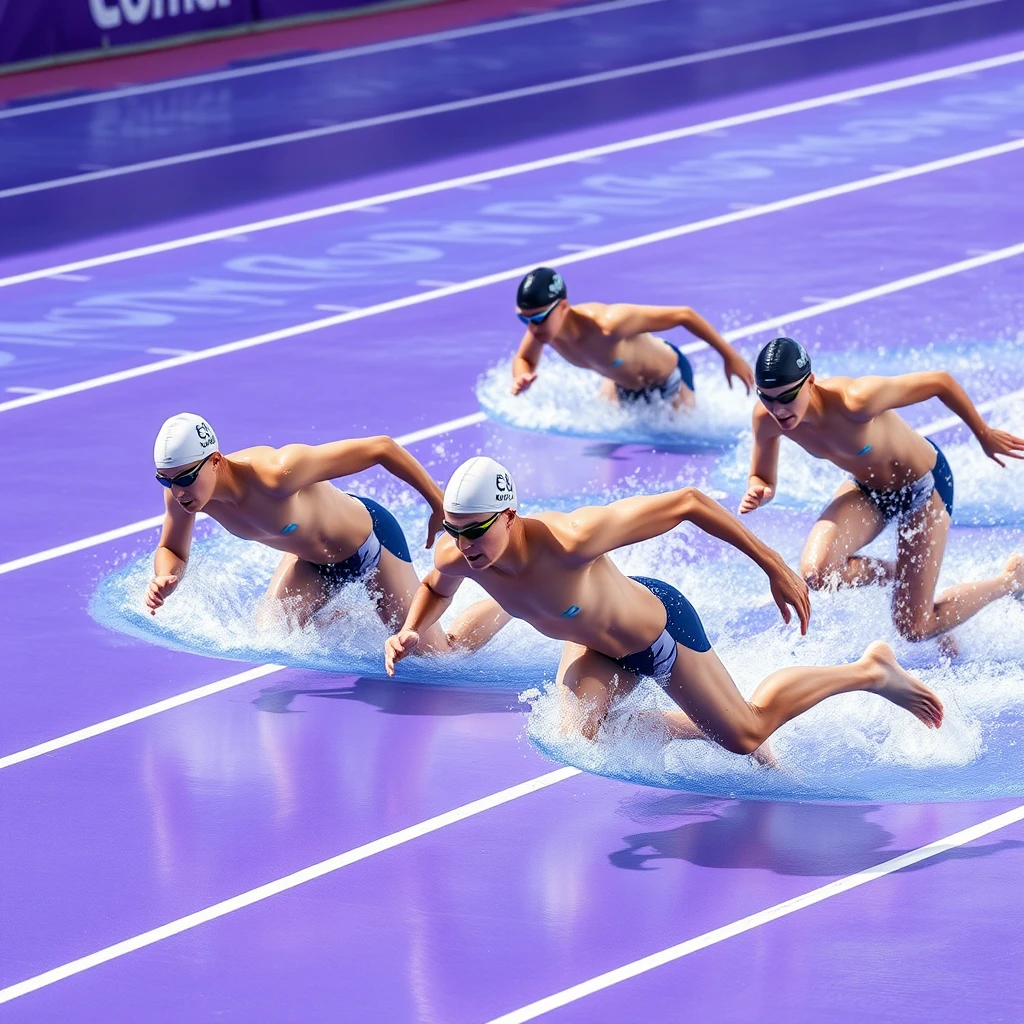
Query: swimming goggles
x=186, y=479
x=474, y=532
x=538, y=318
x=785, y=398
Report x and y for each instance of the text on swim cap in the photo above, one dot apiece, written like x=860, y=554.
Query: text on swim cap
x=206, y=437
x=503, y=485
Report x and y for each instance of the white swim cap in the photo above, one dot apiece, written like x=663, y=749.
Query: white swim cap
x=183, y=439
x=480, y=485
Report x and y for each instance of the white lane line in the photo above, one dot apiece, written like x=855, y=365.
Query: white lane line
x=426, y=39
x=776, y=323
x=559, y=260
x=763, y=917
x=24, y=391
x=137, y=715
x=154, y=521
x=263, y=892
x=511, y=170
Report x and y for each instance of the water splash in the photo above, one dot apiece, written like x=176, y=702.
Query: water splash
x=565, y=400
x=855, y=747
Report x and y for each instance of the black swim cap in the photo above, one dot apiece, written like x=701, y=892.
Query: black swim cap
x=540, y=288
x=782, y=361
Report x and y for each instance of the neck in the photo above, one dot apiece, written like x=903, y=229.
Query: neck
x=514, y=558
x=229, y=488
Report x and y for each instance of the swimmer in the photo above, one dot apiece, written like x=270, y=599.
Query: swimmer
x=896, y=475
x=281, y=497
x=553, y=570
x=616, y=341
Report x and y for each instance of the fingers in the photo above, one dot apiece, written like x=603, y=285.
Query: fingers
x=803, y=611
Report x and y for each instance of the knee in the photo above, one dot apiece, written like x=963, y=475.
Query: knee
x=817, y=576
x=913, y=628
x=742, y=741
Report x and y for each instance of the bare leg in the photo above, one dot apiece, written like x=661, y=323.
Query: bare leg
x=608, y=391
x=295, y=594
x=917, y=613
x=703, y=688
x=848, y=523
x=477, y=625
x=595, y=681
x=685, y=399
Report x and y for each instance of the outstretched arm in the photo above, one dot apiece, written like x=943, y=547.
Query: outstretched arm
x=624, y=321
x=524, y=365
x=428, y=604
x=764, y=463
x=171, y=556
x=866, y=397
x=295, y=466
x=598, y=530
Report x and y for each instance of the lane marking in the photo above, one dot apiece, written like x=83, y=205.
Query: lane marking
x=425, y=39
x=763, y=917
x=137, y=715
x=154, y=521
x=451, y=106
x=560, y=260
x=297, y=878
x=529, y=166
x=776, y=323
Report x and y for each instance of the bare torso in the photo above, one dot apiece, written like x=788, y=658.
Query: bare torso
x=317, y=524
x=592, y=604
x=635, y=362
x=885, y=452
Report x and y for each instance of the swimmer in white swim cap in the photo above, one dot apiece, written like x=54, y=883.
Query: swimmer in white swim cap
x=617, y=341
x=552, y=569
x=283, y=498
x=896, y=476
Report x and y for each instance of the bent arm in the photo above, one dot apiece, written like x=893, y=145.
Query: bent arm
x=867, y=397
x=526, y=360
x=172, y=552
x=295, y=466
x=595, y=531
x=431, y=600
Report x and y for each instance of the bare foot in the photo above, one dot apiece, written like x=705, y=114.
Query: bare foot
x=948, y=646
x=1015, y=570
x=895, y=684
x=764, y=756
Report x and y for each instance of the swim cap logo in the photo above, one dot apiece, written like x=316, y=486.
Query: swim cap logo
x=206, y=437
x=503, y=485
x=802, y=361
x=556, y=285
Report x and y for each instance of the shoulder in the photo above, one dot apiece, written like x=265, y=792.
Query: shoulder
x=270, y=467
x=847, y=395
x=765, y=425
x=448, y=559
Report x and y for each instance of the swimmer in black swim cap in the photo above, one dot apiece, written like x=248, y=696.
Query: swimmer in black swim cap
x=551, y=569
x=782, y=361
x=616, y=341
x=895, y=475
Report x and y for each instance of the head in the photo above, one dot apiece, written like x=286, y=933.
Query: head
x=187, y=458
x=784, y=381
x=479, y=510
x=542, y=303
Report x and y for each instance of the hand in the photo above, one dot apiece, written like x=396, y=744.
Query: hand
x=788, y=589
x=399, y=646
x=522, y=381
x=1001, y=442
x=160, y=588
x=756, y=496
x=737, y=366
x=434, y=526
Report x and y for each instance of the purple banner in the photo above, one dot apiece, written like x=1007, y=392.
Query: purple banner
x=30, y=29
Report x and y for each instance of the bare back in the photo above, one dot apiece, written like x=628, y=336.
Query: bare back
x=634, y=361
x=592, y=604
x=318, y=523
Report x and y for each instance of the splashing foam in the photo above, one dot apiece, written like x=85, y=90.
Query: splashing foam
x=565, y=400
x=856, y=747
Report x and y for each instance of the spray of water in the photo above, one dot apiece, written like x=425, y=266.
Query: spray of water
x=565, y=400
